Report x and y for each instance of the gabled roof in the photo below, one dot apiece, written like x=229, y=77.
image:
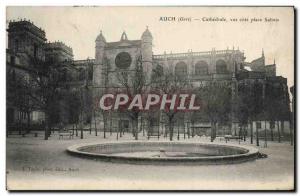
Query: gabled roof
x=123, y=43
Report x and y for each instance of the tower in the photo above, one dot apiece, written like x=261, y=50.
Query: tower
x=146, y=49
x=263, y=57
x=26, y=38
x=124, y=36
x=99, y=59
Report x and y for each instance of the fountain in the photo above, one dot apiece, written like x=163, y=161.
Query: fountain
x=141, y=152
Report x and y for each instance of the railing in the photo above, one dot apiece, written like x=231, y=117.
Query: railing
x=84, y=61
x=79, y=62
x=183, y=55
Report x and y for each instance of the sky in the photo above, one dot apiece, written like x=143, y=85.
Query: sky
x=78, y=28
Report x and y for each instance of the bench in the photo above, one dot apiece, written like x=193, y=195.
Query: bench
x=220, y=137
x=153, y=134
x=34, y=134
x=68, y=133
x=228, y=137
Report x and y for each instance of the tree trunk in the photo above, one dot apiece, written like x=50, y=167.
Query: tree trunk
x=47, y=126
x=90, y=127
x=136, y=128
x=244, y=131
x=141, y=126
x=251, y=132
x=178, y=128
x=234, y=130
x=96, y=133
x=213, y=131
x=291, y=134
x=184, y=130
x=28, y=122
x=104, y=124
x=171, y=129
x=272, y=134
x=81, y=130
x=110, y=126
x=257, y=138
x=76, y=128
x=188, y=130
x=193, y=129
x=118, y=128
x=282, y=128
x=240, y=128
x=265, y=134
x=279, y=135
x=20, y=123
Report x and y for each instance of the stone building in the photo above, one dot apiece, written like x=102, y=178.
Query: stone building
x=27, y=44
x=58, y=52
x=227, y=67
x=25, y=41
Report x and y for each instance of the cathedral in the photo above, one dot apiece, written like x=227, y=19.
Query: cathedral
x=112, y=58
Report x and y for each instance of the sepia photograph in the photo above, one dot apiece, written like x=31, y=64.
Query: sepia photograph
x=150, y=98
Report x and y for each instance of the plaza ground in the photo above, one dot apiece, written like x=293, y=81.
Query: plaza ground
x=33, y=163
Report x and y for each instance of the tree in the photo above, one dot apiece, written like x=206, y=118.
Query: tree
x=44, y=90
x=105, y=74
x=167, y=82
x=134, y=82
x=277, y=105
x=17, y=96
x=245, y=104
x=250, y=105
x=215, y=100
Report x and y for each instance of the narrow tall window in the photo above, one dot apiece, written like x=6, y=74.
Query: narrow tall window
x=16, y=45
x=35, y=50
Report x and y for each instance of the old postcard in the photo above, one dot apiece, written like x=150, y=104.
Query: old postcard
x=150, y=98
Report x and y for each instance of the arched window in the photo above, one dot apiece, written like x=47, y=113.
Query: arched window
x=221, y=66
x=201, y=68
x=181, y=69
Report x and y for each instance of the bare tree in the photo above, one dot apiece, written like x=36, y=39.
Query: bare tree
x=134, y=82
x=169, y=83
x=106, y=71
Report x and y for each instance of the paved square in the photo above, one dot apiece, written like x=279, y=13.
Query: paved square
x=33, y=163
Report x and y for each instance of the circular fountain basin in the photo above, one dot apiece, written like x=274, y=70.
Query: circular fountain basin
x=165, y=152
